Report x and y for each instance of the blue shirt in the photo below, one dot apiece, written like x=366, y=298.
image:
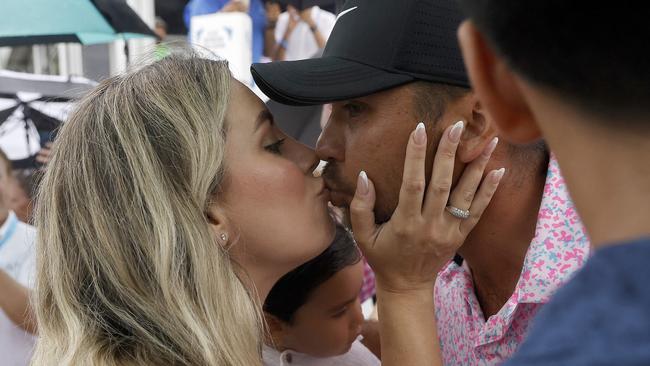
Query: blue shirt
x=601, y=317
x=255, y=10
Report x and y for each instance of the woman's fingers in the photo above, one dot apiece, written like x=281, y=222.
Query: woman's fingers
x=362, y=215
x=413, y=179
x=443, y=170
x=463, y=194
x=482, y=200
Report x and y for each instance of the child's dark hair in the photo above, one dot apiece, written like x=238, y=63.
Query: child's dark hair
x=293, y=290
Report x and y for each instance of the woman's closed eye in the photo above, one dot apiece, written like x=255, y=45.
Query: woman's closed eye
x=275, y=147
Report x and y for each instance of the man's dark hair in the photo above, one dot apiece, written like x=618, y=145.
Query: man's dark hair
x=594, y=53
x=431, y=99
x=293, y=290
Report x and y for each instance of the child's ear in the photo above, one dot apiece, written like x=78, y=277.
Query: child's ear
x=276, y=327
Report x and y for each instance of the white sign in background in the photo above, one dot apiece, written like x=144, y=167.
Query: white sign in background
x=228, y=36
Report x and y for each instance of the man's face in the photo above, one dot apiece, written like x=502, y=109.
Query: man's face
x=370, y=134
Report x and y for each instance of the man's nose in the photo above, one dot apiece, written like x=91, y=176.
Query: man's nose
x=303, y=156
x=331, y=143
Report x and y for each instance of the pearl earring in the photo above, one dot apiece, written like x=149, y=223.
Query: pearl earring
x=224, y=237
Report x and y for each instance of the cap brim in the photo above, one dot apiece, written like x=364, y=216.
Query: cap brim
x=322, y=80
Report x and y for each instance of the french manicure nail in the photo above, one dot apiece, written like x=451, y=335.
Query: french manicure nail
x=455, y=132
x=420, y=136
x=498, y=174
x=362, y=183
x=490, y=148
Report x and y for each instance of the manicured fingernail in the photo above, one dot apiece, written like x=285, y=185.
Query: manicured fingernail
x=362, y=183
x=490, y=148
x=454, y=133
x=420, y=135
x=498, y=174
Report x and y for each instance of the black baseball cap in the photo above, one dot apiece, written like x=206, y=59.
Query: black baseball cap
x=375, y=45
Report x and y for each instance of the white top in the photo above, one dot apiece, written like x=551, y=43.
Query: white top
x=358, y=355
x=17, y=258
x=302, y=43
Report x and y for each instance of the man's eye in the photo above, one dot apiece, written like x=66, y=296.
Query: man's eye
x=275, y=147
x=354, y=109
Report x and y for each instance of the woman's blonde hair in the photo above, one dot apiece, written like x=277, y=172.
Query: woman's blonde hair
x=129, y=270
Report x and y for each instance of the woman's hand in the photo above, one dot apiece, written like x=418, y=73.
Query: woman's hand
x=409, y=250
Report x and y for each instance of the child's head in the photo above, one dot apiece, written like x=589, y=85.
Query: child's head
x=315, y=309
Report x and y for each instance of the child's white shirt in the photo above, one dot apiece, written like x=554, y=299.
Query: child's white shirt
x=358, y=355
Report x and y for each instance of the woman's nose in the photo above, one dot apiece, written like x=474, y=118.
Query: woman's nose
x=303, y=156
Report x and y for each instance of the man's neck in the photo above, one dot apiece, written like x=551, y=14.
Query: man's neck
x=609, y=179
x=604, y=163
x=496, y=248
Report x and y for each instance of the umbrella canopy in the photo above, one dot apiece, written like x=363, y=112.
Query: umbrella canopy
x=123, y=19
x=32, y=107
x=29, y=22
x=50, y=86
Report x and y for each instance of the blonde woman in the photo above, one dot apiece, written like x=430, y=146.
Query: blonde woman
x=166, y=214
x=171, y=206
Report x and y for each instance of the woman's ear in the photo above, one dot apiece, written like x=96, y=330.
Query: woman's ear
x=217, y=219
x=479, y=130
x=497, y=87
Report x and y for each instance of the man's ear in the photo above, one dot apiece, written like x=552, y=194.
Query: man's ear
x=497, y=87
x=217, y=219
x=479, y=130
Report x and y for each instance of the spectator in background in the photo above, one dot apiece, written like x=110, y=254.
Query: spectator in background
x=255, y=9
x=22, y=184
x=300, y=33
x=162, y=49
x=16, y=268
x=160, y=29
x=25, y=185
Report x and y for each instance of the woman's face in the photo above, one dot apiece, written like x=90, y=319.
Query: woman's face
x=276, y=209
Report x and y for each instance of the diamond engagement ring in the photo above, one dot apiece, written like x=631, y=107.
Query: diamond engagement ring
x=457, y=212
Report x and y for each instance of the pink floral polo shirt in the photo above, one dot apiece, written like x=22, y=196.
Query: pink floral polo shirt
x=559, y=248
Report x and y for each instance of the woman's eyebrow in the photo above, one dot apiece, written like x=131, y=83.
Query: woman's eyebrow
x=264, y=115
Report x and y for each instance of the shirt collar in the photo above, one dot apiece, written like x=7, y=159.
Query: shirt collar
x=273, y=357
x=560, y=246
x=11, y=216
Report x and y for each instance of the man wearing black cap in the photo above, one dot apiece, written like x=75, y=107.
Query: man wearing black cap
x=388, y=65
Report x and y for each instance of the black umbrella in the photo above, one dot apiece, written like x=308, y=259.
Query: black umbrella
x=122, y=18
x=38, y=103
x=28, y=22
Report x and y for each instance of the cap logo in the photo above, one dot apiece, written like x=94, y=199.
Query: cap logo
x=344, y=12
